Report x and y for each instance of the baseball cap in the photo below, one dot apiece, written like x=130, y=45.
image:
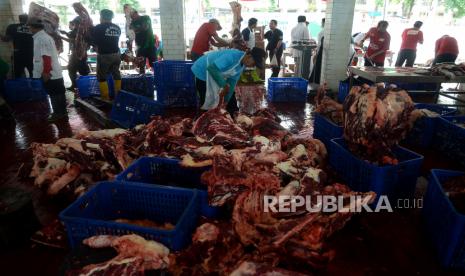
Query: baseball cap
x=214, y=20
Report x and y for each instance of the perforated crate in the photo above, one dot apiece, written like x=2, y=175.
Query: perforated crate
x=94, y=213
x=24, y=90
x=326, y=130
x=174, y=73
x=343, y=91
x=449, y=138
x=395, y=181
x=88, y=86
x=129, y=109
x=287, y=90
x=424, y=128
x=139, y=84
x=444, y=224
x=177, y=96
x=165, y=171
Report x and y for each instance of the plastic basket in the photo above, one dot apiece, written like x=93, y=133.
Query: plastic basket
x=445, y=226
x=343, y=91
x=287, y=90
x=88, y=86
x=449, y=138
x=94, y=212
x=423, y=131
x=325, y=130
x=165, y=171
x=177, y=96
x=139, y=84
x=24, y=90
x=397, y=182
x=174, y=73
x=129, y=109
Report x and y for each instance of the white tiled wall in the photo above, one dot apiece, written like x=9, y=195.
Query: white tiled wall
x=338, y=29
x=172, y=29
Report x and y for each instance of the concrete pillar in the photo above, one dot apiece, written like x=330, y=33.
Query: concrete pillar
x=338, y=31
x=172, y=29
x=9, y=11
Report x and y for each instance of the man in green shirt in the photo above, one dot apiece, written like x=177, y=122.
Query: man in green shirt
x=145, y=40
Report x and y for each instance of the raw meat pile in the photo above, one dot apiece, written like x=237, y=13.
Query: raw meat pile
x=450, y=71
x=328, y=107
x=135, y=255
x=375, y=120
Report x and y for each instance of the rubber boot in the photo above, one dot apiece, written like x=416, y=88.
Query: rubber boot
x=104, y=93
x=117, y=87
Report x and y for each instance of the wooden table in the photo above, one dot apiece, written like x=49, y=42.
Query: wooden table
x=406, y=75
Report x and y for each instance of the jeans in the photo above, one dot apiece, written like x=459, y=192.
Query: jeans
x=445, y=58
x=408, y=55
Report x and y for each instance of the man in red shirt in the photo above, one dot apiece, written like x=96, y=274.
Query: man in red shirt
x=206, y=35
x=446, y=50
x=408, y=50
x=379, y=44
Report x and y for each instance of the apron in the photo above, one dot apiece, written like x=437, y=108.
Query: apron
x=212, y=96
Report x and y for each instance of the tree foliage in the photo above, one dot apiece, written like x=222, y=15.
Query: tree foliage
x=95, y=6
x=134, y=4
x=407, y=6
x=457, y=7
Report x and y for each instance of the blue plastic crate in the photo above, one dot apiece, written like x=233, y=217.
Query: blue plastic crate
x=445, y=226
x=343, y=91
x=165, y=171
x=423, y=131
x=177, y=96
x=94, y=212
x=449, y=138
x=88, y=86
x=287, y=90
x=395, y=181
x=129, y=109
x=139, y=84
x=174, y=73
x=24, y=90
x=326, y=130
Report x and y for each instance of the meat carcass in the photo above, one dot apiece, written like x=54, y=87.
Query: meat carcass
x=216, y=126
x=375, y=120
x=247, y=268
x=131, y=247
x=327, y=106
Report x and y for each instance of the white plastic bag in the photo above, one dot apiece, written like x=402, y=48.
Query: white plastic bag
x=274, y=61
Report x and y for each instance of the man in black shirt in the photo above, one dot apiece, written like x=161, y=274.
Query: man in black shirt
x=105, y=38
x=145, y=39
x=75, y=64
x=23, y=47
x=275, y=45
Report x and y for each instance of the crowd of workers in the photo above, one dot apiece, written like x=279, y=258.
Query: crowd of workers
x=36, y=52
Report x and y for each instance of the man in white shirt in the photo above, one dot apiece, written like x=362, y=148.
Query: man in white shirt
x=299, y=33
x=48, y=68
x=248, y=34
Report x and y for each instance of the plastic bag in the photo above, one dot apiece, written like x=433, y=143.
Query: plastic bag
x=274, y=61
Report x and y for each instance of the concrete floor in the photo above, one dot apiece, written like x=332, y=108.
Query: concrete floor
x=370, y=244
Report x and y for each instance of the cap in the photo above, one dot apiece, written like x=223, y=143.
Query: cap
x=214, y=20
x=35, y=21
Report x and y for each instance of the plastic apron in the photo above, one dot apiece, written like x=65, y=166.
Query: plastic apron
x=212, y=96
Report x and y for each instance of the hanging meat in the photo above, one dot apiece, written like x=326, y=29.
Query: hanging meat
x=375, y=120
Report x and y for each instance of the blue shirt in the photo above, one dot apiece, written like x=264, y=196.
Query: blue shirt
x=224, y=60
